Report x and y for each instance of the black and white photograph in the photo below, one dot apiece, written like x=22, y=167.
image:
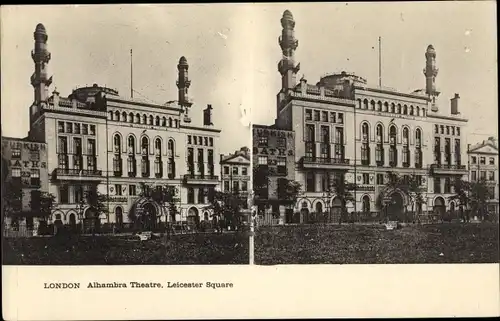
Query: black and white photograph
x=377, y=140
x=117, y=135
x=249, y=160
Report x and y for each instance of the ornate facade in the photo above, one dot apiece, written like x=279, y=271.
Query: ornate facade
x=97, y=138
x=344, y=127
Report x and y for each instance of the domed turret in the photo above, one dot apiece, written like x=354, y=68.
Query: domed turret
x=183, y=61
x=40, y=28
x=287, y=15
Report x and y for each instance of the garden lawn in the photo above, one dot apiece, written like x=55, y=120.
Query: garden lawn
x=228, y=248
x=373, y=244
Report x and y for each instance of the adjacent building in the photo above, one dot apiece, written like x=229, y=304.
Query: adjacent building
x=346, y=128
x=483, y=165
x=97, y=139
x=235, y=172
x=24, y=168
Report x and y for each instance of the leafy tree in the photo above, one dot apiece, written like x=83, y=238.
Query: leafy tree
x=462, y=190
x=288, y=192
x=43, y=203
x=474, y=195
x=12, y=198
x=227, y=205
x=260, y=182
x=97, y=202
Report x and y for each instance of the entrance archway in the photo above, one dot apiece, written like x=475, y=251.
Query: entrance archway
x=119, y=216
x=319, y=212
x=366, y=204
x=304, y=215
x=452, y=210
x=72, y=220
x=439, y=207
x=395, y=208
x=193, y=217
x=336, y=211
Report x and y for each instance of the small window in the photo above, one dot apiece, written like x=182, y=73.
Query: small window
x=436, y=129
x=492, y=161
x=85, y=129
x=474, y=160
x=226, y=170
x=235, y=170
x=308, y=114
x=189, y=139
x=333, y=117
x=69, y=128
x=366, y=178
x=324, y=116
x=60, y=127
x=205, y=139
x=118, y=189
x=244, y=171
x=16, y=172
x=77, y=128
x=340, y=118
x=316, y=115
x=482, y=160
x=132, y=190
x=16, y=153
x=262, y=160
x=92, y=130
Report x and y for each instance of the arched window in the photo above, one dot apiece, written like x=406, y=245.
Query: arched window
x=365, y=147
x=176, y=123
x=411, y=110
x=131, y=117
x=131, y=145
x=158, y=146
x=144, y=119
x=145, y=146
x=372, y=105
x=386, y=106
x=164, y=121
x=380, y=133
x=117, y=142
x=117, y=115
x=379, y=106
x=393, y=108
x=423, y=112
x=110, y=116
x=418, y=111
x=393, y=154
x=319, y=208
x=365, y=104
x=171, y=159
x=379, y=151
x=405, y=110
x=124, y=116
x=169, y=122
x=399, y=109
x=137, y=118
x=418, y=137
x=360, y=104
x=364, y=132
x=151, y=120
x=406, y=149
x=418, y=148
x=157, y=121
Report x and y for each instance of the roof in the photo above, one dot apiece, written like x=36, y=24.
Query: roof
x=491, y=142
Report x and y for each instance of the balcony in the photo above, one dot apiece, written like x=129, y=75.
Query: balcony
x=77, y=174
x=365, y=188
x=448, y=169
x=201, y=179
x=325, y=163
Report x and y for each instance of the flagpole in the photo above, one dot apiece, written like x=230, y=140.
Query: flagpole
x=380, y=61
x=131, y=77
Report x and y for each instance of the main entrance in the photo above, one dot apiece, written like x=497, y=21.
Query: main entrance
x=146, y=214
x=439, y=207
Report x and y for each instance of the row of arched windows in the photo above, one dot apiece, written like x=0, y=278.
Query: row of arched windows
x=379, y=134
x=144, y=146
x=143, y=119
x=391, y=108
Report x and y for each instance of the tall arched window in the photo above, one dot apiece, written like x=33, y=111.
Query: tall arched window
x=157, y=121
x=406, y=147
x=117, y=115
x=393, y=108
x=379, y=151
x=169, y=122
x=365, y=146
x=158, y=160
x=319, y=208
x=117, y=160
x=411, y=110
x=131, y=163
x=164, y=121
x=131, y=117
x=365, y=104
x=399, y=109
x=151, y=120
x=372, y=105
x=418, y=148
x=137, y=118
x=145, y=157
x=171, y=159
x=379, y=106
x=393, y=153
x=124, y=116
x=386, y=106
x=418, y=111
x=144, y=119
x=405, y=110
x=110, y=116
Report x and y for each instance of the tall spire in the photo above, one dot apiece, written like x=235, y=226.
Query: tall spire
x=183, y=84
x=430, y=72
x=288, y=44
x=41, y=57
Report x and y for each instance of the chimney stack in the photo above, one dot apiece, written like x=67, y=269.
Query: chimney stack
x=454, y=105
x=207, y=116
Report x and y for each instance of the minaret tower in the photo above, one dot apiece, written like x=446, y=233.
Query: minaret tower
x=41, y=57
x=430, y=73
x=288, y=44
x=183, y=84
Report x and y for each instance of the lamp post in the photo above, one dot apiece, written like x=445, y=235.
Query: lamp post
x=251, y=249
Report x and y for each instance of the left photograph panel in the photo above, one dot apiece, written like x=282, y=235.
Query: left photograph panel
x=122, y=139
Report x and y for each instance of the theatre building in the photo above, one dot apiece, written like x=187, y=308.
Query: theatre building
x=98, y=139
x=346, y=128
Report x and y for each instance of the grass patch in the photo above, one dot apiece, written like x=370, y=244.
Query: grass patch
x=372, y=244
x=115, y=250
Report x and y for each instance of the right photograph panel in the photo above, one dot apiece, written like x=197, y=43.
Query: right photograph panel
x=386, y=154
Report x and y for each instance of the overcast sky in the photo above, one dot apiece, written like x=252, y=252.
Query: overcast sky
x=233, y=51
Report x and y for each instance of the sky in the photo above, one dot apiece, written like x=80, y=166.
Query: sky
x=233, y=52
